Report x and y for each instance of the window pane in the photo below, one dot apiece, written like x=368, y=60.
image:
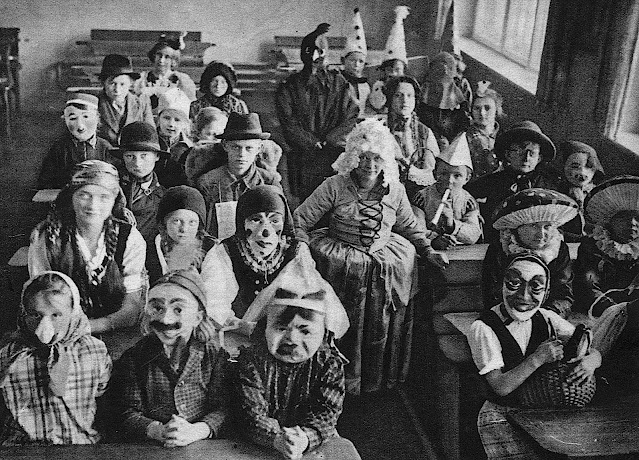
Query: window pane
x=489, y=22
x=520, y=30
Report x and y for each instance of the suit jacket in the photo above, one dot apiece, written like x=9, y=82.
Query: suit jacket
x=138, y=108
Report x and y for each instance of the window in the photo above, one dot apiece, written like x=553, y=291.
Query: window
x=627, y=132
x=507, y=35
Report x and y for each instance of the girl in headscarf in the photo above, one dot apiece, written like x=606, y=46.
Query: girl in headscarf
x=216, y=85
x=509, y=343
x=88, y=236
x=52, y=370
x=239, y=267
x=368, y=254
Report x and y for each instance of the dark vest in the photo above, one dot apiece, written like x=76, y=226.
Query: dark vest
x=250, y=282
x=510, y=350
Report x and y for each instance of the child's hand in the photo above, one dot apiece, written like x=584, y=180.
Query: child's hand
x=548, y=352
x=444, y=242
x=156, y=430
x=298, y=441
x=447, y=214
x=180, y=432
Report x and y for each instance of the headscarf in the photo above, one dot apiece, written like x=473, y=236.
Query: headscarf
x=524, y=316
x=263, y=198
x=58, y=353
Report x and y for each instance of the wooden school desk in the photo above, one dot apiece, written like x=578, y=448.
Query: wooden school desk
x=218, y=449
x=593, y=431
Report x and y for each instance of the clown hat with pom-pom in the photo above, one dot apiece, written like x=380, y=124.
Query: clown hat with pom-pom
x=355, y=39
x=396, y=44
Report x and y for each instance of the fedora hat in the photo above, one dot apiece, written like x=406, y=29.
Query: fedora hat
x=244, y=126
x=116, y=64
x=525, y=131
x=138, y=136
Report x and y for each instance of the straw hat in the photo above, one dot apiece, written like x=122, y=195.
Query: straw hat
x=534, y=205
x=608, y=198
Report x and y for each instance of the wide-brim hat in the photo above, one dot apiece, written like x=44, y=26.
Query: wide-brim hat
x=138, y=136
x=534, y=205
x=243, y=126
x=608, y=198
x=116, y=64
x=525, y=131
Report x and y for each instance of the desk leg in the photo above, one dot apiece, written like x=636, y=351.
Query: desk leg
x=448, y=407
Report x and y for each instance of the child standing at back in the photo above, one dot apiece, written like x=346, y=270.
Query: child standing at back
x=117, y=105
x=53, y=369
x=449, y=210
x=79, y=143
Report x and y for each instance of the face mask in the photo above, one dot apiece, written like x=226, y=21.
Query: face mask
x=45, y=331
x=521, y=315
x=263, y=234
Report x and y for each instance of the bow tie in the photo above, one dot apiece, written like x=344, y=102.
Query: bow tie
x=353, y=79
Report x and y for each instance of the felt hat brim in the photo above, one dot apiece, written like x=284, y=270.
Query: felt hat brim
x=518, y=134
x=244, y=135
x=109, y=73
x=137, y=147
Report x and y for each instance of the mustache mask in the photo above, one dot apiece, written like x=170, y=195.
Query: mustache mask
x=160, y=326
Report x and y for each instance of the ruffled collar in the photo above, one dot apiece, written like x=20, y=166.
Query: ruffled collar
x=613, y=249
x=510, y=245
x=264, y=265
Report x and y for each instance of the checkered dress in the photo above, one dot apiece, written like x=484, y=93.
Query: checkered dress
x=275, y=394
x=31, y=413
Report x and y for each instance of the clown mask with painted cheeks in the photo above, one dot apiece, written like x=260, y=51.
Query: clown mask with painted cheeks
x=263, y=232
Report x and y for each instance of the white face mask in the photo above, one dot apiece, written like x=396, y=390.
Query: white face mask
x=527, y=298
x=263, y=232
x=45, y=331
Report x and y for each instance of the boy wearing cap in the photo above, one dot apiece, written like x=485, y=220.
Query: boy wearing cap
x=524, y=150
x=117, y=105
x=79, y=143
x=173, y=123
x=140, y=152
x=243, y=141
x=291, y=381
x=316, y=111
x=171, y=386
x=458, y=220
x=528, y=222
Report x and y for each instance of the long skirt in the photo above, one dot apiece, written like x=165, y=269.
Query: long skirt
x=503, y=440
x=376, y=289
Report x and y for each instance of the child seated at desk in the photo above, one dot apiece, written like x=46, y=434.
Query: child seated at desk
x=509, y=343
x=291, y=381
x=207, y=153
x=53, y=369
x=173, y=123
x=243, y=141
x=459, y=222
x=79, y=143
x=528, y=222
x=171, y=387
x=117, y=105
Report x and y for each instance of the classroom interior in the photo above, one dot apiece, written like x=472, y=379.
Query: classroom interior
x=576, y=97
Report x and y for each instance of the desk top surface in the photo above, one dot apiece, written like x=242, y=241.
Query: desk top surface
x=605, y=430
x=334, y=449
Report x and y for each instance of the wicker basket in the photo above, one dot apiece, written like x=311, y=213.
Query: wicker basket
x=547, y=387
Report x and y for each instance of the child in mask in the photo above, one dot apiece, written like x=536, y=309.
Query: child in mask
x=582, y=171
x=171, y=386
x=291, y=381
x=459, y=218
x=528, y=222
x=509, y=343
x=607, y=265
x=239, y=267
x=182, y=242
x=207, y=153
x=79, y=143
x=53, y=369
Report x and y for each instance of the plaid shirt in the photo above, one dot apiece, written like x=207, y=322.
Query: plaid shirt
x=30, y=412
x=275, y=394
x=146, y=388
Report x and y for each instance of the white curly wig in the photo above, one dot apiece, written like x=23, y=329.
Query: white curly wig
x=370, y=135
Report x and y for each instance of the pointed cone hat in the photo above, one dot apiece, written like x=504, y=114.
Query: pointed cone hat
x=396, y=43
x=457, y=153
x=356, y=40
